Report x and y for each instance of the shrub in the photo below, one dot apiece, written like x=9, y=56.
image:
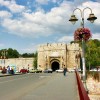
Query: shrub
x=94, y=75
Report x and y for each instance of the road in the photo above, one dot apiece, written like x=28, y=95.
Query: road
x=38, y=86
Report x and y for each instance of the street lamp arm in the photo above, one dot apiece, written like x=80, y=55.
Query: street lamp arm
x=82, y=12
x=79, y=10
x=85, y=9
x=82, y=16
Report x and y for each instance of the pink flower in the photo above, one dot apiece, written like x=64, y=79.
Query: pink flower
x=82, y=33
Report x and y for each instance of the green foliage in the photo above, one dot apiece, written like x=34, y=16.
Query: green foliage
x=10, y=53
x=35, y=60
x=92, y=53
x=26, y=55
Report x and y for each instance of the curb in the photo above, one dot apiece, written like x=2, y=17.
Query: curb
x=9, y=75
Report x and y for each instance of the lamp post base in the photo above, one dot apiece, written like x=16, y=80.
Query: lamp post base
x=85, y=86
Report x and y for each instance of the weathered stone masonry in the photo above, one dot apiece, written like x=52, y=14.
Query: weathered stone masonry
x=58, y=55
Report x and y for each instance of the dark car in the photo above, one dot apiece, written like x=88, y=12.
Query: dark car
x=47, y=71
x=4, y=70
x=35, y=71
x=23, y=71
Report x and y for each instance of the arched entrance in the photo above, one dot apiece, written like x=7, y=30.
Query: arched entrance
x=55, y=65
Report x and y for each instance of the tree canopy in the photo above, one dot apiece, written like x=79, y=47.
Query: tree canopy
x=92, y=53
x=13, y=53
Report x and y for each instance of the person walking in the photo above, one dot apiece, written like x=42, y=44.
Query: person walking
x=64, y=72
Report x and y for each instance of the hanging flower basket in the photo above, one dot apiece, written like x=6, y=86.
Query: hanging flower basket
x=82, y=33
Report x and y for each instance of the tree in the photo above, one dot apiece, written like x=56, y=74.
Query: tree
x=26, y=55
x=92, y=53
x=10, y=53
x=35, y=60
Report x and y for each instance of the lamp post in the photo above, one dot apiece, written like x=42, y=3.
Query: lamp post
x=4, y=54
x=73, y=19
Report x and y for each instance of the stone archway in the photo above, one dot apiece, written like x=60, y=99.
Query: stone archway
x=55, y=65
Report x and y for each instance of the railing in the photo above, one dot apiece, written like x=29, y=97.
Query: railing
x=82, y=92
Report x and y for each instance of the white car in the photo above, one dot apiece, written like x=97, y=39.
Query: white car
x=94, y=69
x=71, y=70
x=59, y=70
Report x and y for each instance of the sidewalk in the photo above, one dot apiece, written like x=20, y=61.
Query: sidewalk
x=3, y=75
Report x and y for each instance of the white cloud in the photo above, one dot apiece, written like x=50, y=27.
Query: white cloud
x=54, y=1
x=66, y=39
x=40, y=23
x=95, y=6
x=12, y=6
x=96, y=36
x=30, y=49
x=5, y=14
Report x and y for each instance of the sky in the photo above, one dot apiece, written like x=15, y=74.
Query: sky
x=26, y=24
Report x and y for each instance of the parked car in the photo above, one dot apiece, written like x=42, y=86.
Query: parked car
x=60, y=70
x=0, y=71
x=71, y=70
x=4, y=70
x=93, y=69
x=35, y=71
x=79, y=69
x=32, y=71
x=23, y=71
x=39, y=71
x=48, y=71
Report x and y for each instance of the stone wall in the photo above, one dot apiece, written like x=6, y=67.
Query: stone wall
x=18, y=62
x=94, y=88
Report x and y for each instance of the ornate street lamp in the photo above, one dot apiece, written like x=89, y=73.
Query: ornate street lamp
x=91, y=18
x=83, y=34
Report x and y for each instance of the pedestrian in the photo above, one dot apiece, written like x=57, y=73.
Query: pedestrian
x=8, y=70
x=64, y=72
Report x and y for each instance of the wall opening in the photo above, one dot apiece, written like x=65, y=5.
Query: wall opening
x=55, y=66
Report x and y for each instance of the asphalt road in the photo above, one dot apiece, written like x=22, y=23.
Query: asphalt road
x=39, y=86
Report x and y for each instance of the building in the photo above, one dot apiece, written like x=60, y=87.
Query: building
x=58, y=55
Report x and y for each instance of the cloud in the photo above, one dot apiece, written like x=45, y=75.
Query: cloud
x=12, y=6
x=96, y=36
x=95, y=9
x=5, y=14
x=38, y=23
x=41, y=23
x=54, y=1
x=30, y=49
x=66, y=39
